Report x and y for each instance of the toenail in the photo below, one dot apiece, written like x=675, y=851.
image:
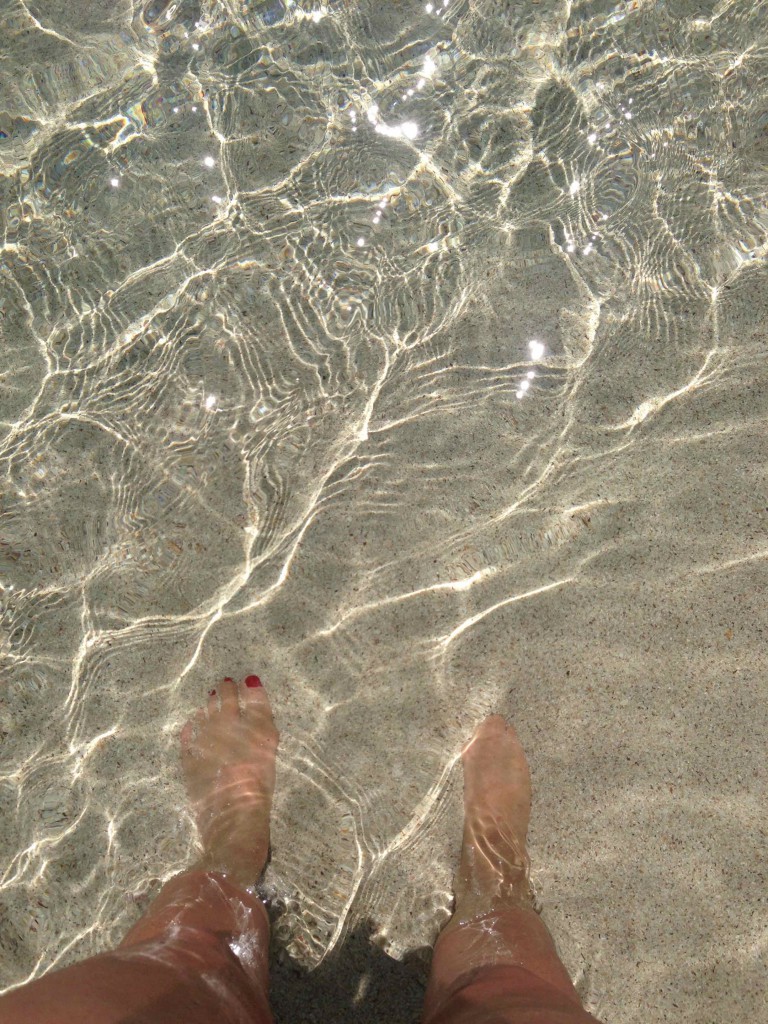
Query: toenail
x=253, y=681
x=211, y=693
x=228, y=679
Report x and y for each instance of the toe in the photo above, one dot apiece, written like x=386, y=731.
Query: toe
x=252, y=689
x=253, y=695
x=257, y=709
x=186, y=734
x=227, y=689
x=493, y=725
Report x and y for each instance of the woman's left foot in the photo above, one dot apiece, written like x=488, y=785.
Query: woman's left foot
x=228, y=756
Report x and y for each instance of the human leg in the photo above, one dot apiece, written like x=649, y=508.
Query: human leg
x=496, y=960
x=200, y=952
x=179, y=962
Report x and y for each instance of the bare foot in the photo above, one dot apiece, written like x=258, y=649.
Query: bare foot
x=228, y=756
x=494, y=866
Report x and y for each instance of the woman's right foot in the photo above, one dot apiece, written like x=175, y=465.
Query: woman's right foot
x=494, y=867
x=493, y=924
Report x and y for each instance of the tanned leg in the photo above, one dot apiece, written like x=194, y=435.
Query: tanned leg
x=495, y=959
x=200, y=952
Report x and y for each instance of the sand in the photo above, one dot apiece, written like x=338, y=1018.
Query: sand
x=237, y=441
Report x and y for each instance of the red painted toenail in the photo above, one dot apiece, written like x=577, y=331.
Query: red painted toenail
x=253, y=681
x=211, y=693
x=228, y=679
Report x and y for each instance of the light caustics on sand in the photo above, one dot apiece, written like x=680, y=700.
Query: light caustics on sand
x=228, y=256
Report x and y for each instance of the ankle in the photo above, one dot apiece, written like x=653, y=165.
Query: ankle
x=509, y=884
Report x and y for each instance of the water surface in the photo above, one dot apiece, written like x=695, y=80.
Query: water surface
x=412, y=356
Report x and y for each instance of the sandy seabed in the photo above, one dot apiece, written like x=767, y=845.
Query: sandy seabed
x=417, y=424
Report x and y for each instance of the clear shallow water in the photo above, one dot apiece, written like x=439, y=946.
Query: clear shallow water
x=412, y=359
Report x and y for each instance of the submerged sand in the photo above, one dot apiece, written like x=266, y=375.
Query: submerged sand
x=235, y=440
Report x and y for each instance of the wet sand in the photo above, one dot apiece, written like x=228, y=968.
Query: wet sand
x=320, y=462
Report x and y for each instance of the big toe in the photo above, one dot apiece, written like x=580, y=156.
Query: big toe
x=493, y=725
x=256, y=705
x=253, y=692
x=495, y=751
x=493, y=728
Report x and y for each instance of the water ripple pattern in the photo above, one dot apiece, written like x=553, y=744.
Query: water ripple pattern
x=411, y=355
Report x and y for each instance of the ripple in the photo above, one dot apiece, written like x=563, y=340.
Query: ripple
x=362, y=342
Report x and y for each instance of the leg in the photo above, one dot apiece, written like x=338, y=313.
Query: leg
x=495, y=960
x=200, y=952
x=177, y=963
